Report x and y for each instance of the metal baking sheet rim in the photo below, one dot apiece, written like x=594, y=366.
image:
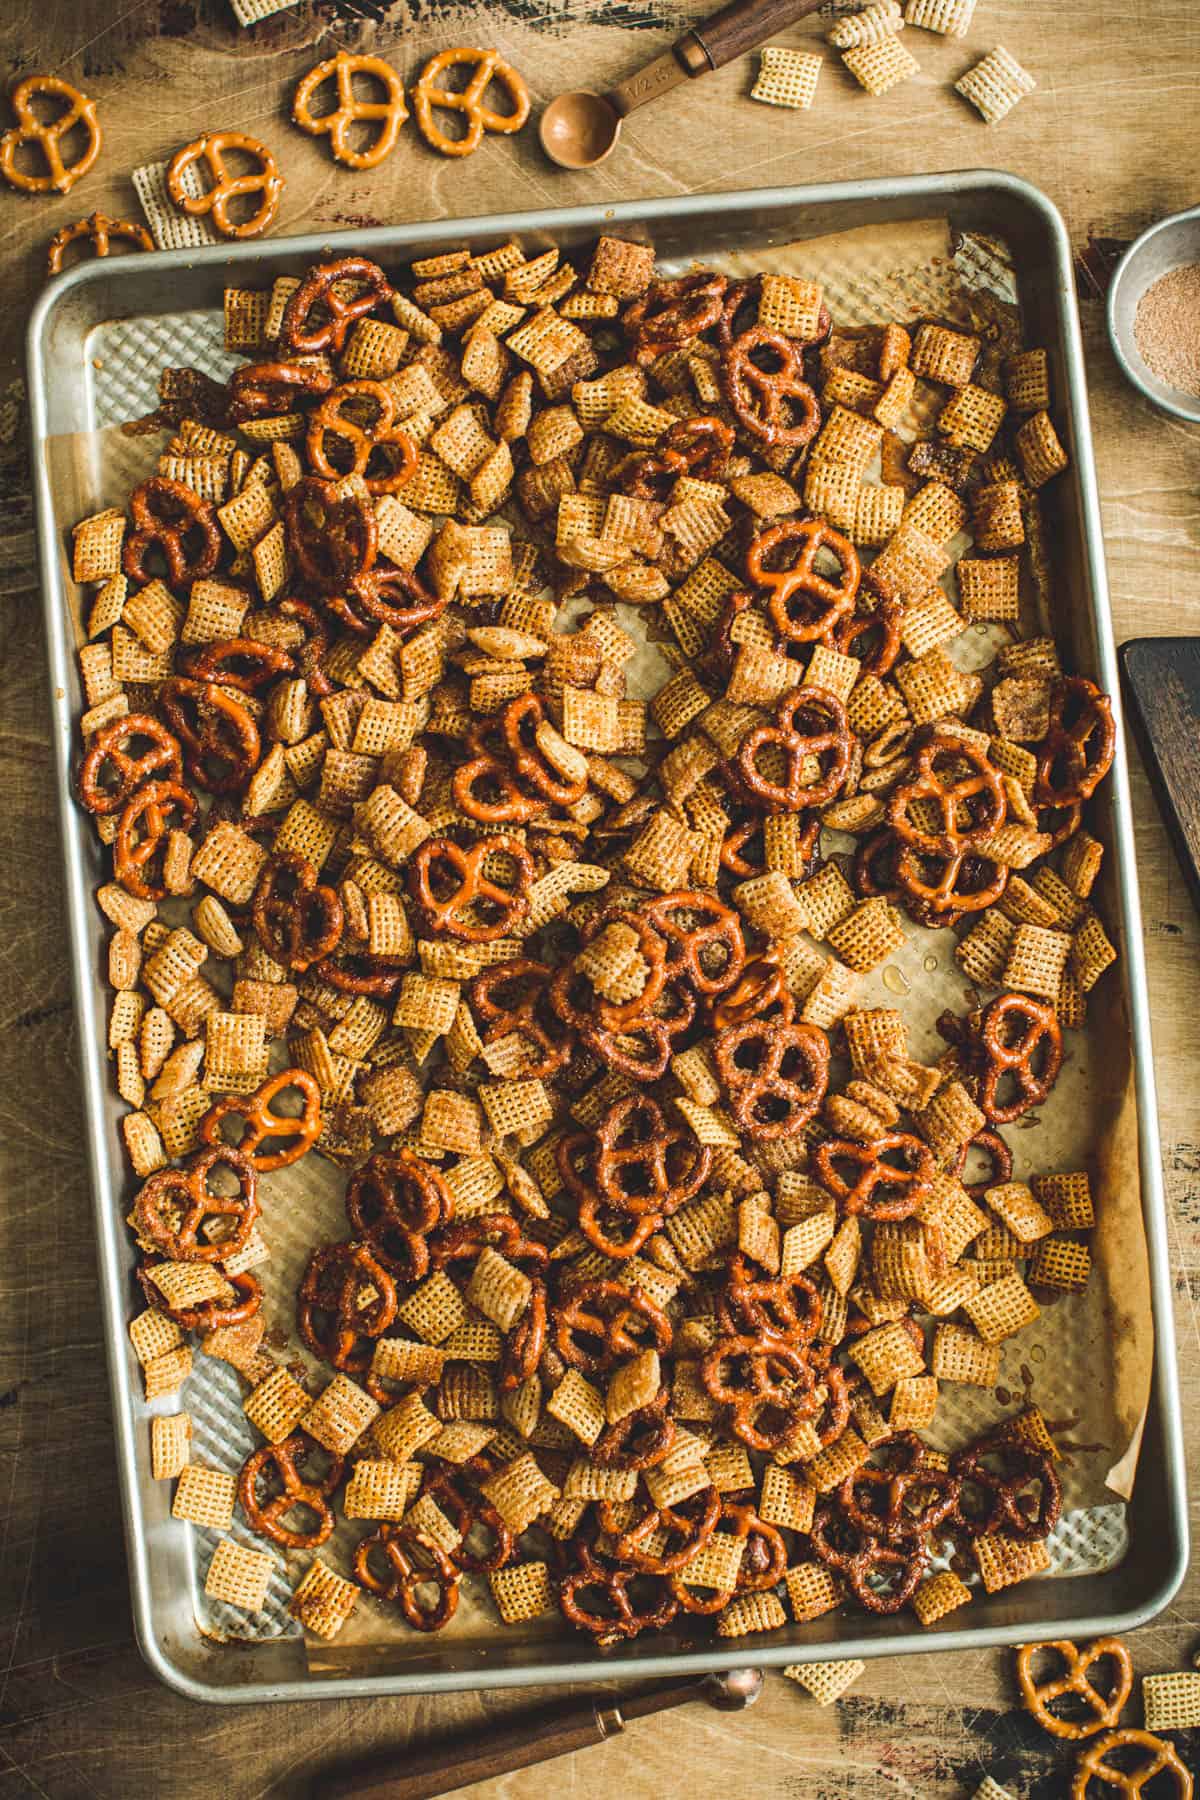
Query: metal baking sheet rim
x=912, y=197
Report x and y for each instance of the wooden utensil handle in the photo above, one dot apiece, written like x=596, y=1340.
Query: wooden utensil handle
x=741, y=27
x=443, y=1768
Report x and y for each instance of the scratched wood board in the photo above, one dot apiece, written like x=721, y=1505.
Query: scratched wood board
x=1107, y=136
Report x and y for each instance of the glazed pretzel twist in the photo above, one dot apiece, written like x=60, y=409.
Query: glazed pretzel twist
x=304, y=332
x=217, y=731
x=142, y=833
x=1082, y=749
x=258, y=389
x=266, y=1516
x=294, y=1134
x=111, y=774
x=340, y=415
x=825, y=602
x=406, y=1576
x=671, y=313
x=970, y=806
x=173, y=1204
x=345, y=1301
x=764, y=400
x=299, y=920
x=168, y=514
x=810, y=727
x=488, y=66
x=211, y=150
x=101, y=233
x=333, y=539
x=393, y=1203
x=775, y=1075
x=1039, y=1036
x=457, y=912
x=882, y=1189
x=1161, y=1758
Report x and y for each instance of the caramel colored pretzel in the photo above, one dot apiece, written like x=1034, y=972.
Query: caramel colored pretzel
x=100, y=232
x=60, y=176
x=740, y=310
x=142, y=833
x=456, y=912
x=685, y=1535
x=765, y=1385
x=1161, y=1759
x=336, y=417
x=1000, y=1161
x=699, y=447
x=882, y=1189
x=298, y=919
x=488, y=792
x=394, y=1202
x=615, y=1233
x=810, y=727
x=1102, y=1711
x=320, y=313
x=858, y=1555
x=488, y=66
x=1039, y=1035
x=1082, y=749
x=345, y=1301
x=626, y=1616
x=880, y=628
x=333, y=538
x=266, y=1516
x=211, y=150
x=634, y=1168
x=939, y=890
x=970, y=806
x=500, y=1017
x=168, y=514
x=671, y=313
x=174, y=1203
x=603, y=1322
x=763, y=1564
x=338, y=125
x=294, y=1134
x=110, y=774
x=825, y=602
x=641, y=1440
x=241, y=663
x=311, y=659
x=208, y=1315
x=463, y=1241
x=789, y=1306
x=218, y=733
x=526, y=1341
x=453, y=1487
x=904, y=1499
x=706, y=926
x=775, y=1075
x=759, y=990
x=757, y=396
x=519, y=722
x=376, y=977
x=612, y=1015
x=406, y=1576
x=259, y=389
x=1022, y=1498
x=395, y=597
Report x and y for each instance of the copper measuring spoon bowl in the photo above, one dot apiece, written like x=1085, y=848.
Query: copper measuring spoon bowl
x=578, y=130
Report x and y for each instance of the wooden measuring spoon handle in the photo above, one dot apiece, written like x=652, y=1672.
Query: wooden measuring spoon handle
x=738, y=28
x=443, y=1768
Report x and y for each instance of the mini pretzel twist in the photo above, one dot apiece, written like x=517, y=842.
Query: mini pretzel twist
x=298, y=919
x=487, y=66
x=880, y=628
x=338, y=125
x=525, y=1342
x=241, y=663
x=1022, y=1497
x=775, y=1075
x=100, y=232
x=323, y=291
x=905, y=1498
x=207, y=1315
x=603, y=1322
x=635, y=1166
x=939, y=890
x=173, y=1204
x=824, y=602
x=699, y=447
x=259, y=389
x=457, y=911
x=761, y=989
x=1000, y=1160
x=616, y=1615
x=810, y=727
x=1074, y=758
x=454, y=1488
x=345, y=1301
x=970, y=805
x=295, y=1135
x=333, y=539
x=775, y=405
x=406, y=1576
x=672, y=313
x=1039, y=1037
x=393, y=1203
x=641, y=1440
x=340, y=416
x=1103, y=1710
x=787, y=1306
x=882, y=1189
x=690, y=1524
x=219, y=735
x=501, y=1017
x=740, y=309
x=1161, y=1758
x=280, y=1462
x=857, y=1555
x=168, y=514
x=142, y=833
x=111, y=774
x=60, y=176
x=211, y=150
x=395, y=597
x=763, y=1564
x=766, y=1385
x=463, y=1241
x=707, y=924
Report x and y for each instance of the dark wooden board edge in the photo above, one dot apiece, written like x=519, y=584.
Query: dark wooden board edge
x=1161, y=682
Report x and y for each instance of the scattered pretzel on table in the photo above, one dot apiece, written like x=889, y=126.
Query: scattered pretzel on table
x=60, y=176
x=338, y=125
x=215, y=202
x=101, y=233
x=429, y=97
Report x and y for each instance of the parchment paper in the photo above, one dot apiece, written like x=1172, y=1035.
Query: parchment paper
x=1086, y=1362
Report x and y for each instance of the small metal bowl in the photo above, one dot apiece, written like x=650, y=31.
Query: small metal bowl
x=1170, y=244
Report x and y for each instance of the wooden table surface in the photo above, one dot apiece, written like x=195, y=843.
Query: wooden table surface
x=1110, y=135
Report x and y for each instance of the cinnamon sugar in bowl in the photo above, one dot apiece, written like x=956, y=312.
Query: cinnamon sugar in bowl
x=1154, y=314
